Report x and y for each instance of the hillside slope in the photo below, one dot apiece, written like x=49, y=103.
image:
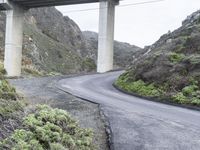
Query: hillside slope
x=171, y=67
x=43, y=49
x=53, y=43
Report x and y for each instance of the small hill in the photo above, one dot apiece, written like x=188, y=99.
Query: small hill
x=170, y=68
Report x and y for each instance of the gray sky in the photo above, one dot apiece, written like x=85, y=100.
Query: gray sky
x=139, y=24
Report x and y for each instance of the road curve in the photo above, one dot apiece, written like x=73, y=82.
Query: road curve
x=138, y=124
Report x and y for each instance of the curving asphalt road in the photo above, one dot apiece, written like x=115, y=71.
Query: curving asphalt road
x=138, y=124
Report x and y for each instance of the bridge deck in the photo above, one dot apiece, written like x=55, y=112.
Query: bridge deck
x=4, y=4
x=46, y=3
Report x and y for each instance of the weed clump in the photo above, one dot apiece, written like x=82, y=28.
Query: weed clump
x=49, y=128
x=189, y=95
x=179, y=98
x=139, y=87
x=176, y=57
x=10, y=101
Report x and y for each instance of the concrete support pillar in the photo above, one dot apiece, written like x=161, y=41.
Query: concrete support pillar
x=106, y=35
x=13, y=41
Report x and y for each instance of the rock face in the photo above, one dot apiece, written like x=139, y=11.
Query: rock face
x=172, y=63
x=54, y=43
x=57, y=43
x=123, y=52
x=58, y=27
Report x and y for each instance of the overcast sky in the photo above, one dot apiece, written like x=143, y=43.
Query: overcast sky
x=136, y=24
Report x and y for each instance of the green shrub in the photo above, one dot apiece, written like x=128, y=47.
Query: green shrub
x=139, y=87
x=189, y=95
x=189, y=90
x=10, y=101
x=194, y=59
x=57, y=146
x=143, y=89
x=176, y=57
x=7, y=107
x=180, y=98
x=193, y=81
x=49, y=128
x=2, y=70
x=195, y=101
x=7, y=91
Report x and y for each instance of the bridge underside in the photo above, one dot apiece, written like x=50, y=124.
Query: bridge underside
x=46, y=3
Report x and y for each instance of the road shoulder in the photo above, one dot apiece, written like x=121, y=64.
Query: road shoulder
x=44, y=90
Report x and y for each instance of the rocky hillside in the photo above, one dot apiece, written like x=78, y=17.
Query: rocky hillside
x=54, y=43
x=170, y=69
x=46, y=46
x=123, y=52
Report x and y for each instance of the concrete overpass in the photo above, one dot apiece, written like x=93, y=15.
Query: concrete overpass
x=15, y=10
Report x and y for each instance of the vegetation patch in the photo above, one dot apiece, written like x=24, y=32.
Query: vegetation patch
x=45, y=129
x=176, y=57
x=10, y=101
x=139, y=87
x=7, y=107
x=188, y=95
x=51, y=129
x=179, y=98
x=194, y=59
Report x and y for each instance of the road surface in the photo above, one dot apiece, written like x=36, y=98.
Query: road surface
x=138, y=124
